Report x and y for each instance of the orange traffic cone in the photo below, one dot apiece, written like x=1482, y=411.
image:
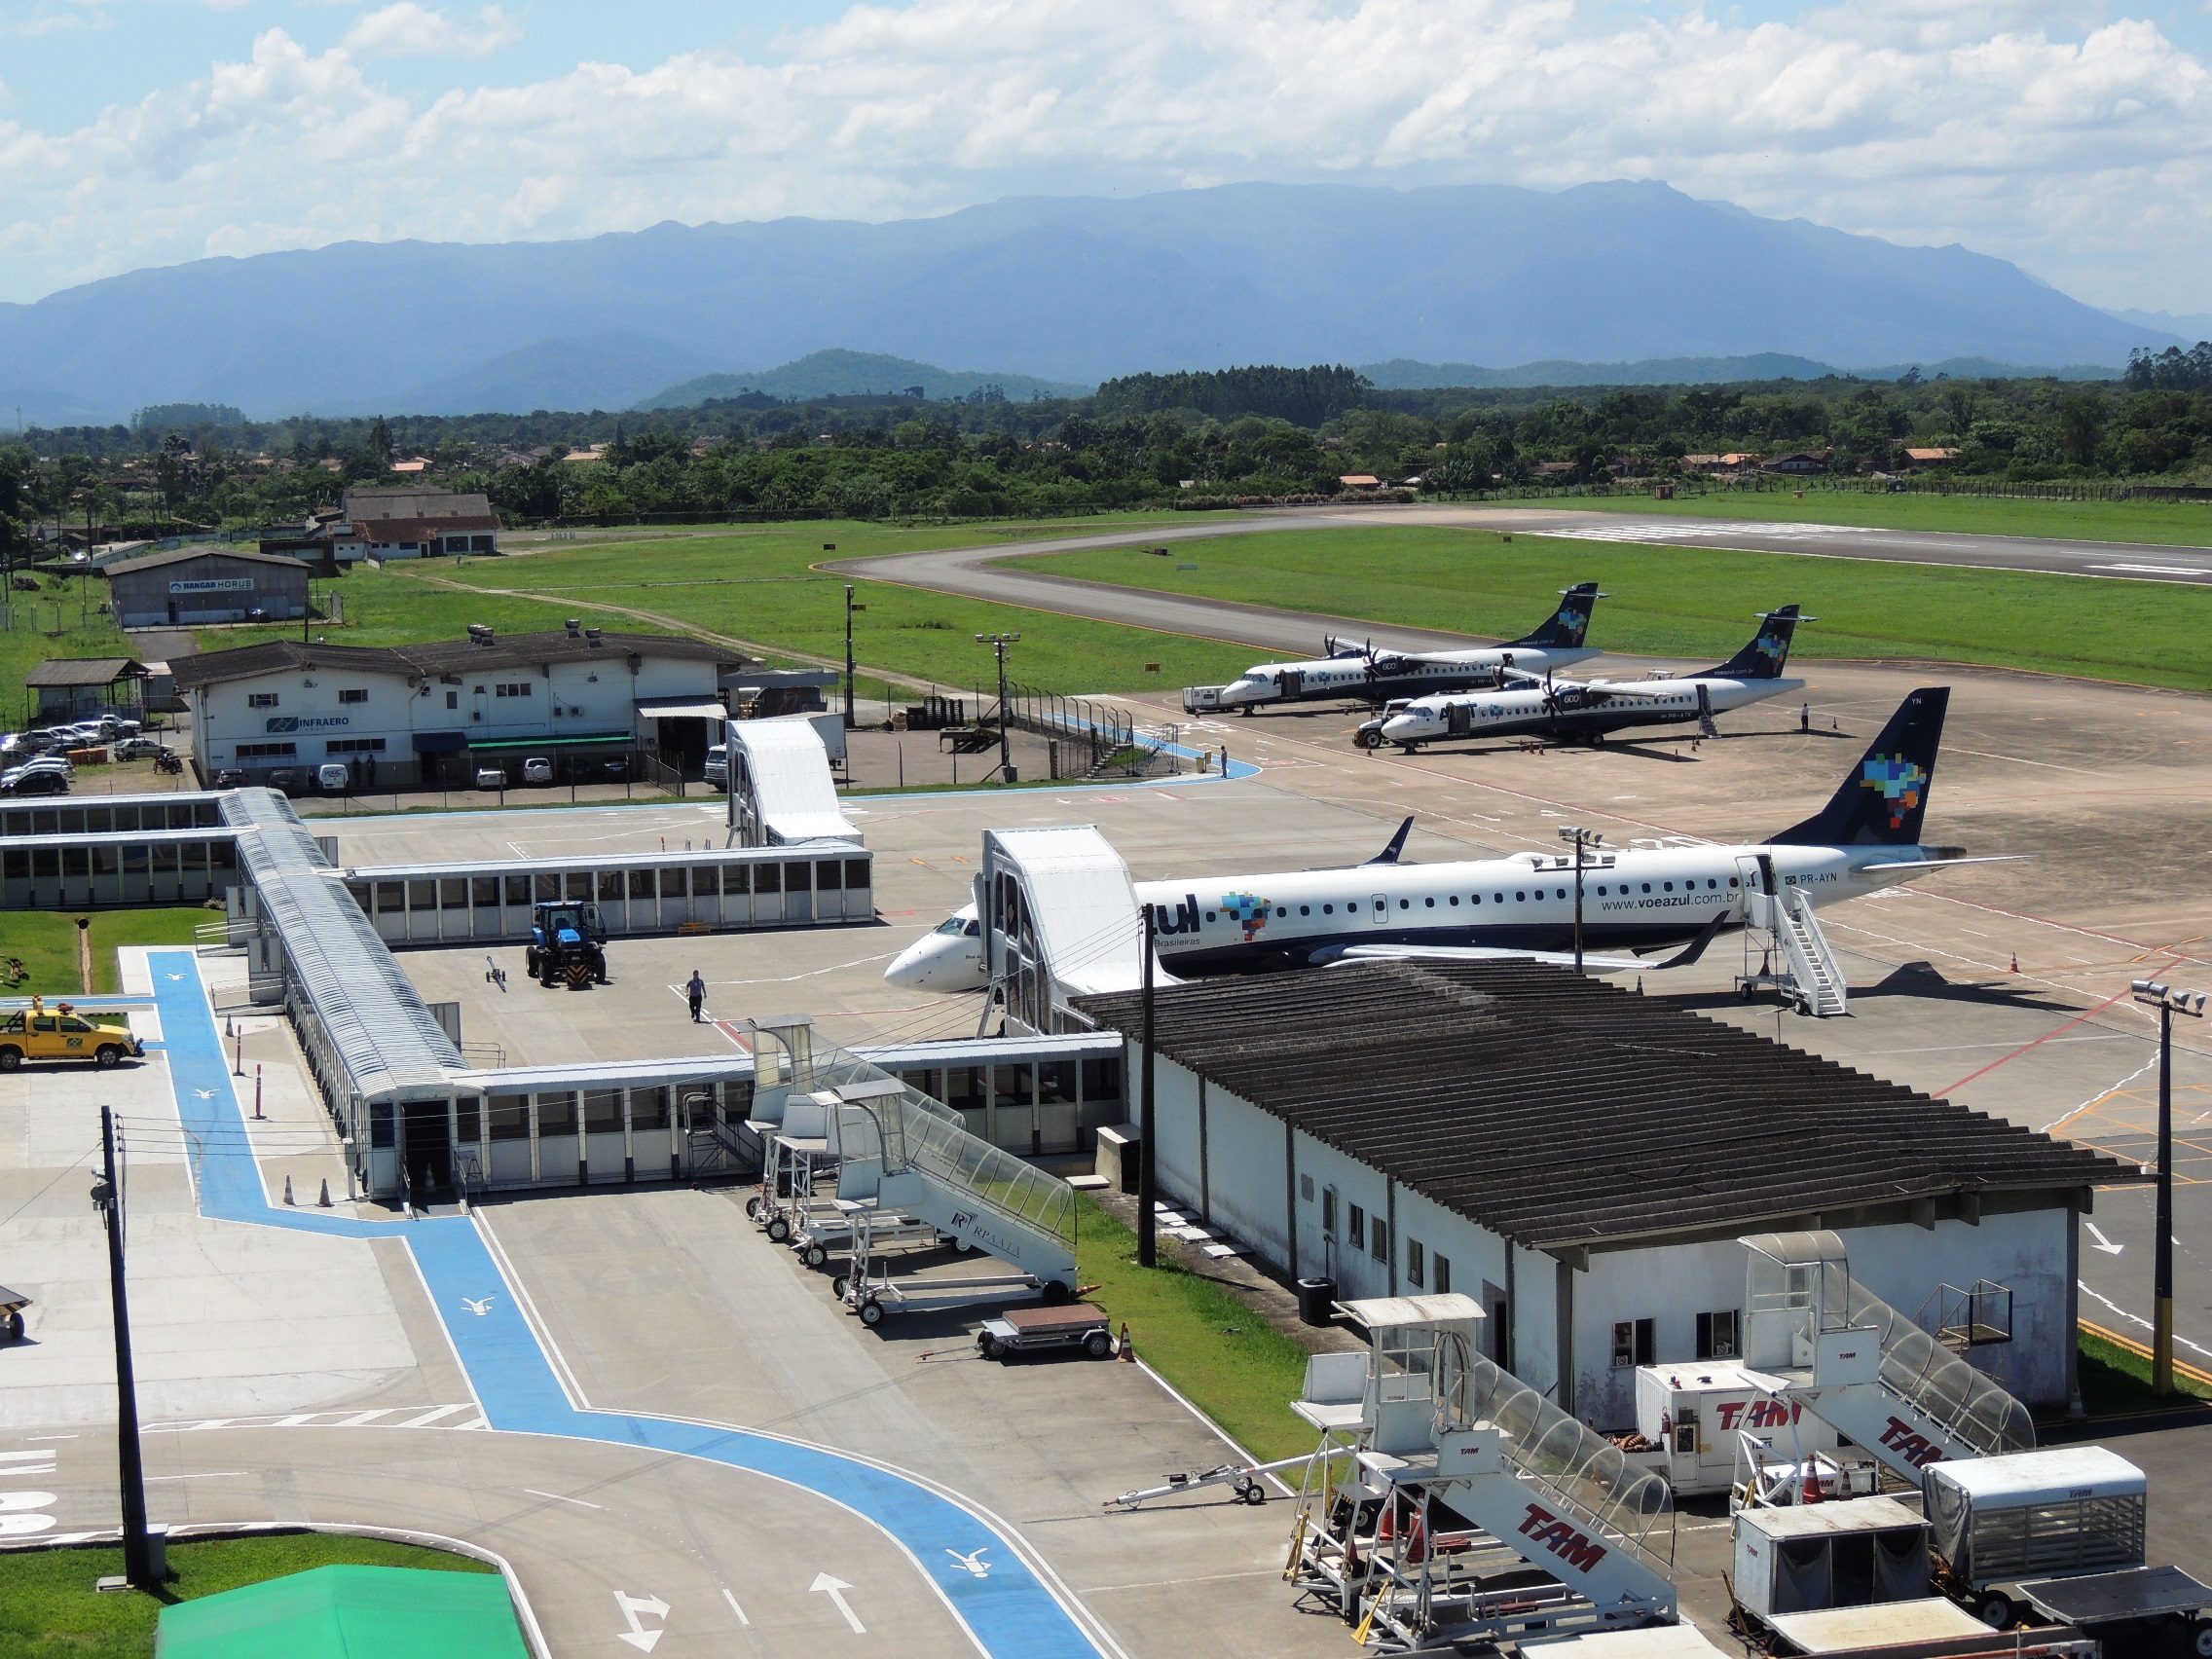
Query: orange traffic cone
x=2016, y=962
x=287, y=1189
x=1129, y=1355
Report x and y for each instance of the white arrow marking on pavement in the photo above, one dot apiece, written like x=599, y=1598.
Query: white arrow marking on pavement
x=176, y=976
x=637, y=1635
x=204, y=1093
x=2102, y=1242
x=836, y=1588
x=974, y=1561
x=735, y=1608
x=479, y=1309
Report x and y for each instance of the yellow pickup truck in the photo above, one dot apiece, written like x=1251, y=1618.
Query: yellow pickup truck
x=41, y=1034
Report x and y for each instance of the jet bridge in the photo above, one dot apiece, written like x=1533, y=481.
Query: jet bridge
x=1441, y=1479
x=1060, y=920
x=1815, y=1335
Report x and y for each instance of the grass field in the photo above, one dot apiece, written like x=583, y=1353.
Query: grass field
x=1228, y=1362
x=1692, y=603
x=46, y=943
x=755, y=585
x=2115, y=1379
x=74, y=604
x=2177, y=524
x=49, y=1608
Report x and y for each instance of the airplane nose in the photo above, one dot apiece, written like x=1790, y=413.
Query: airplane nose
x=911, y=968
x=1398, y=727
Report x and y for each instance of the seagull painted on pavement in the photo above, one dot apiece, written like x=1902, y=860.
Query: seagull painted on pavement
x=479, y=1309
x=973, y=1562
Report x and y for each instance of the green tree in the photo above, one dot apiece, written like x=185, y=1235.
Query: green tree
x=2081, y=426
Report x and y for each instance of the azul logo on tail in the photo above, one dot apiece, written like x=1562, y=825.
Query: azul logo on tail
x=1899, y=781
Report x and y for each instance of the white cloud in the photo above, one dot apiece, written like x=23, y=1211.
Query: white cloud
x=2088, y=159
x=409, y=30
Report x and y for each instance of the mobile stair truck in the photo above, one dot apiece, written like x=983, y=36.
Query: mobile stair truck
x=904, y=1162
x=1447, y=1500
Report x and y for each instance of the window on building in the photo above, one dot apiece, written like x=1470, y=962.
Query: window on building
x=1355, y=1228
x=1413, y=1262
x=354, y=745
x=1635, y=1342
x=1717, y=1335
x=1379, y=1240
x=1306, y=1188
x=1440, y=1270
x=517, y=688
x=354, y=694
x=261, y=699
x=1329, y=1211
x=266, y=751
x=452, y=699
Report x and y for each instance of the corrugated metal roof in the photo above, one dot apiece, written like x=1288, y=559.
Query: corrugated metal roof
x=1083, y=906
x=789, y=773
x=1558, y=1110
x=719, y=857
x=384, y=1034
x=185, y=555
x=442, y=656
x=84, y=671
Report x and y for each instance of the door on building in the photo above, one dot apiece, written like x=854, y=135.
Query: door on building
x=172, y=614
x=426, y=1144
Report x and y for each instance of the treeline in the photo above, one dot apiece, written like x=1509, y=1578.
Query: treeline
x=1157, y=441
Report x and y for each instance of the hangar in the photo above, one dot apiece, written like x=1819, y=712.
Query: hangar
x=1584, y=1160
x=194, y=586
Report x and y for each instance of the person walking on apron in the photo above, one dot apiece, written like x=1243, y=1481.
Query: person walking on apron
x=695, y=988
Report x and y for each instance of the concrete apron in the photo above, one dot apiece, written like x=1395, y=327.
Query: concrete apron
x=1011, y=1613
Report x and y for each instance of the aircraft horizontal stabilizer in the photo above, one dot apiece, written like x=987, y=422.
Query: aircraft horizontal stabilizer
x=1944, y=864
x=1337, y=957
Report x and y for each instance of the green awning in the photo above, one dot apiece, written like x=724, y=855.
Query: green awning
x=598, y=739
x=349, y=1612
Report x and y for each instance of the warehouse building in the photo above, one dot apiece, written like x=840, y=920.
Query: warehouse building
x=196, y=586
x=419, y=716
x=1584, y=1160
x=413, y=524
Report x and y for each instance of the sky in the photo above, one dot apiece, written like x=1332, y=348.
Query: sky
x=2075, y=139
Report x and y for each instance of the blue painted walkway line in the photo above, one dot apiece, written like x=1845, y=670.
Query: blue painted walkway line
x=1012, y=1613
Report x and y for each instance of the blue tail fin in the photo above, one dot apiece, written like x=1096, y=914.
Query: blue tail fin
x=1569, y=622
x=1769, y=650
x=1884, y=799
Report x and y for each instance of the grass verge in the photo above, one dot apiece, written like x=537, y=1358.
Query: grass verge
x=1224, y=1358
x=1691, y=602
x=49, y=1608
x=2115, y=1377
x=759, y=586
x=46, y=943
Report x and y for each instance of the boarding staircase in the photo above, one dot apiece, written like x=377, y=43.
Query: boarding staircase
x=1778, y=918
x=1817, y=1337
x=1440, y=1480
x=910, y=1154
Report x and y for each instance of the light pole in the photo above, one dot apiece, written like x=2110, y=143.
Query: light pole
x=850, y=607
x=107, y=1198
x=1582, y=839
x=2169, y=1002
x=999, y=644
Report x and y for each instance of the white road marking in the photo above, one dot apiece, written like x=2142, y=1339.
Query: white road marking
x=2138, y=1319
x=14, y=1501
x=431, y=1416
x=834, y=1589
x=200, y=1475
x=578, y=1503
x=735, y=1608
x=637, y=1635
x=973, y=1561
x=21, y=1525
x=2102, y=1242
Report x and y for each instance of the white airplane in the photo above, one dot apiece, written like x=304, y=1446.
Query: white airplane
x=1588, y=710
x=1361, y=672
x=1867, y=837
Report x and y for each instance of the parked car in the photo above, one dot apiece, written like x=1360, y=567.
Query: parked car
x=617, y=769
x=44, y=1034
x=285, y=778
x=332, y=777
x=137, y=748
x=716, y=768
x=490, y=778
x=230, y=778
x=21, y=783
x=537, y=769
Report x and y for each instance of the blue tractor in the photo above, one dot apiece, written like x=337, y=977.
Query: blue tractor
x=567, y=944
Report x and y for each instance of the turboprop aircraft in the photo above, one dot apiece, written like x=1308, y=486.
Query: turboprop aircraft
x=1586, y=709
x=1867, y=837
x=1362, y=673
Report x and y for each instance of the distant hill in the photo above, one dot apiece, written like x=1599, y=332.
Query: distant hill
x=856, y=374
x=1403, y=375
x=1073, y=290
x=2191, y=326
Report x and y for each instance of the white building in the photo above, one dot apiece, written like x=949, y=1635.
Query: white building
x=443, y=711
x=1583, y=1160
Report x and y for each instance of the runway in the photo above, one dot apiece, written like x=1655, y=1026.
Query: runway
x=975, y=573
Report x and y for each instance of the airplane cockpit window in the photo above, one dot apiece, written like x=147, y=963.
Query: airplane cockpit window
x=954, y=925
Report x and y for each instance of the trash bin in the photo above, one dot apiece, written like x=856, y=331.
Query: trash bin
x=1315, y=1298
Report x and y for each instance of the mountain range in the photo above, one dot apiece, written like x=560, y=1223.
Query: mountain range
x=1067, y=289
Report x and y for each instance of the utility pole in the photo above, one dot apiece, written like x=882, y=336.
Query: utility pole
x=999, y=644
x=1582, y=839
x=850, y=720
x=2169, y=1002
x=1148, y=1244
x=107, y=1198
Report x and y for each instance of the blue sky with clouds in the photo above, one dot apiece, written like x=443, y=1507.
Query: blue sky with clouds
x=2075, y=139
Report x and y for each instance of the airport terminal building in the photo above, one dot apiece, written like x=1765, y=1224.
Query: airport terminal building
x=422, y=716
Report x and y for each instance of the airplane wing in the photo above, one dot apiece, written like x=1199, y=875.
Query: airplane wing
x=1337, y=957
